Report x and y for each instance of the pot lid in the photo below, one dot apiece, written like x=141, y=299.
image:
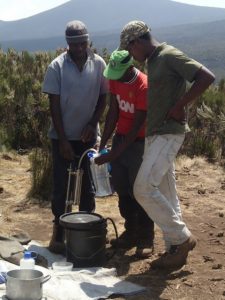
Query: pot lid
x=80, y=218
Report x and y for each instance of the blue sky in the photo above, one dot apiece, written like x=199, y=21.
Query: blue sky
x=18, y=9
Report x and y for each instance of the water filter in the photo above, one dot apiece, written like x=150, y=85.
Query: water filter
x=101, y=176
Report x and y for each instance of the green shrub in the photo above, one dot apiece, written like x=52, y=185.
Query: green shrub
x=24, y=115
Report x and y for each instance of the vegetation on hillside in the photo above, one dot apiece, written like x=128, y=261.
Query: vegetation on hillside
x=24, y=114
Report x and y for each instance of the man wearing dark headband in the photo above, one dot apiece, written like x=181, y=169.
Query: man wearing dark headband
x=77, y=91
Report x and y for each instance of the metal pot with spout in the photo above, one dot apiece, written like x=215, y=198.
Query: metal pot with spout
x=25, y=284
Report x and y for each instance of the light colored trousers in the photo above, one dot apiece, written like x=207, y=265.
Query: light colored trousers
x=155, y=187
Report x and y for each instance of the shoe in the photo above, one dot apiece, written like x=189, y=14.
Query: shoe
x=57, y=247
x=145, y=242
x=57, y=244
x=126, y=240
x=145, y=249
x=176, y=257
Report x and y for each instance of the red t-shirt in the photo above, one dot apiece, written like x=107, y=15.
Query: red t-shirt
x=131, y=96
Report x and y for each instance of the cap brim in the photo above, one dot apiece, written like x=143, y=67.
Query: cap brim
x=112, y=74
x=115, y=74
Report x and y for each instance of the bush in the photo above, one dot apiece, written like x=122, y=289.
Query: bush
x=207, y=124
x=24, y=114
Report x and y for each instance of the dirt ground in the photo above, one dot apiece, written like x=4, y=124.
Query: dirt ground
x=201, y=189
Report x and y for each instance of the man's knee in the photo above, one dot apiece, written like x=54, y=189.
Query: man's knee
x=143, y=190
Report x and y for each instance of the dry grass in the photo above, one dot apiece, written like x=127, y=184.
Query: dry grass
x=201, y=188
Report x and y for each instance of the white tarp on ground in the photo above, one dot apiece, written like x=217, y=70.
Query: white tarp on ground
x=79, y=284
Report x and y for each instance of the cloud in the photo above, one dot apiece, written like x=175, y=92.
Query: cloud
x=18, y=9
x=213, y=3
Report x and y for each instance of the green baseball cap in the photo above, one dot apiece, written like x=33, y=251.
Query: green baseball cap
x=132, y=31
x=119, y=62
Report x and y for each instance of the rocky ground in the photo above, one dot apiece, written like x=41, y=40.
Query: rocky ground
x=201, y=189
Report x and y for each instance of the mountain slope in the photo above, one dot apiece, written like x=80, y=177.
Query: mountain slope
x=204, y=42
x=107, y=15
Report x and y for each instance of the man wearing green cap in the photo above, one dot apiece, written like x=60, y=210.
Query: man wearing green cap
x=169, y=70
x=127, y=113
